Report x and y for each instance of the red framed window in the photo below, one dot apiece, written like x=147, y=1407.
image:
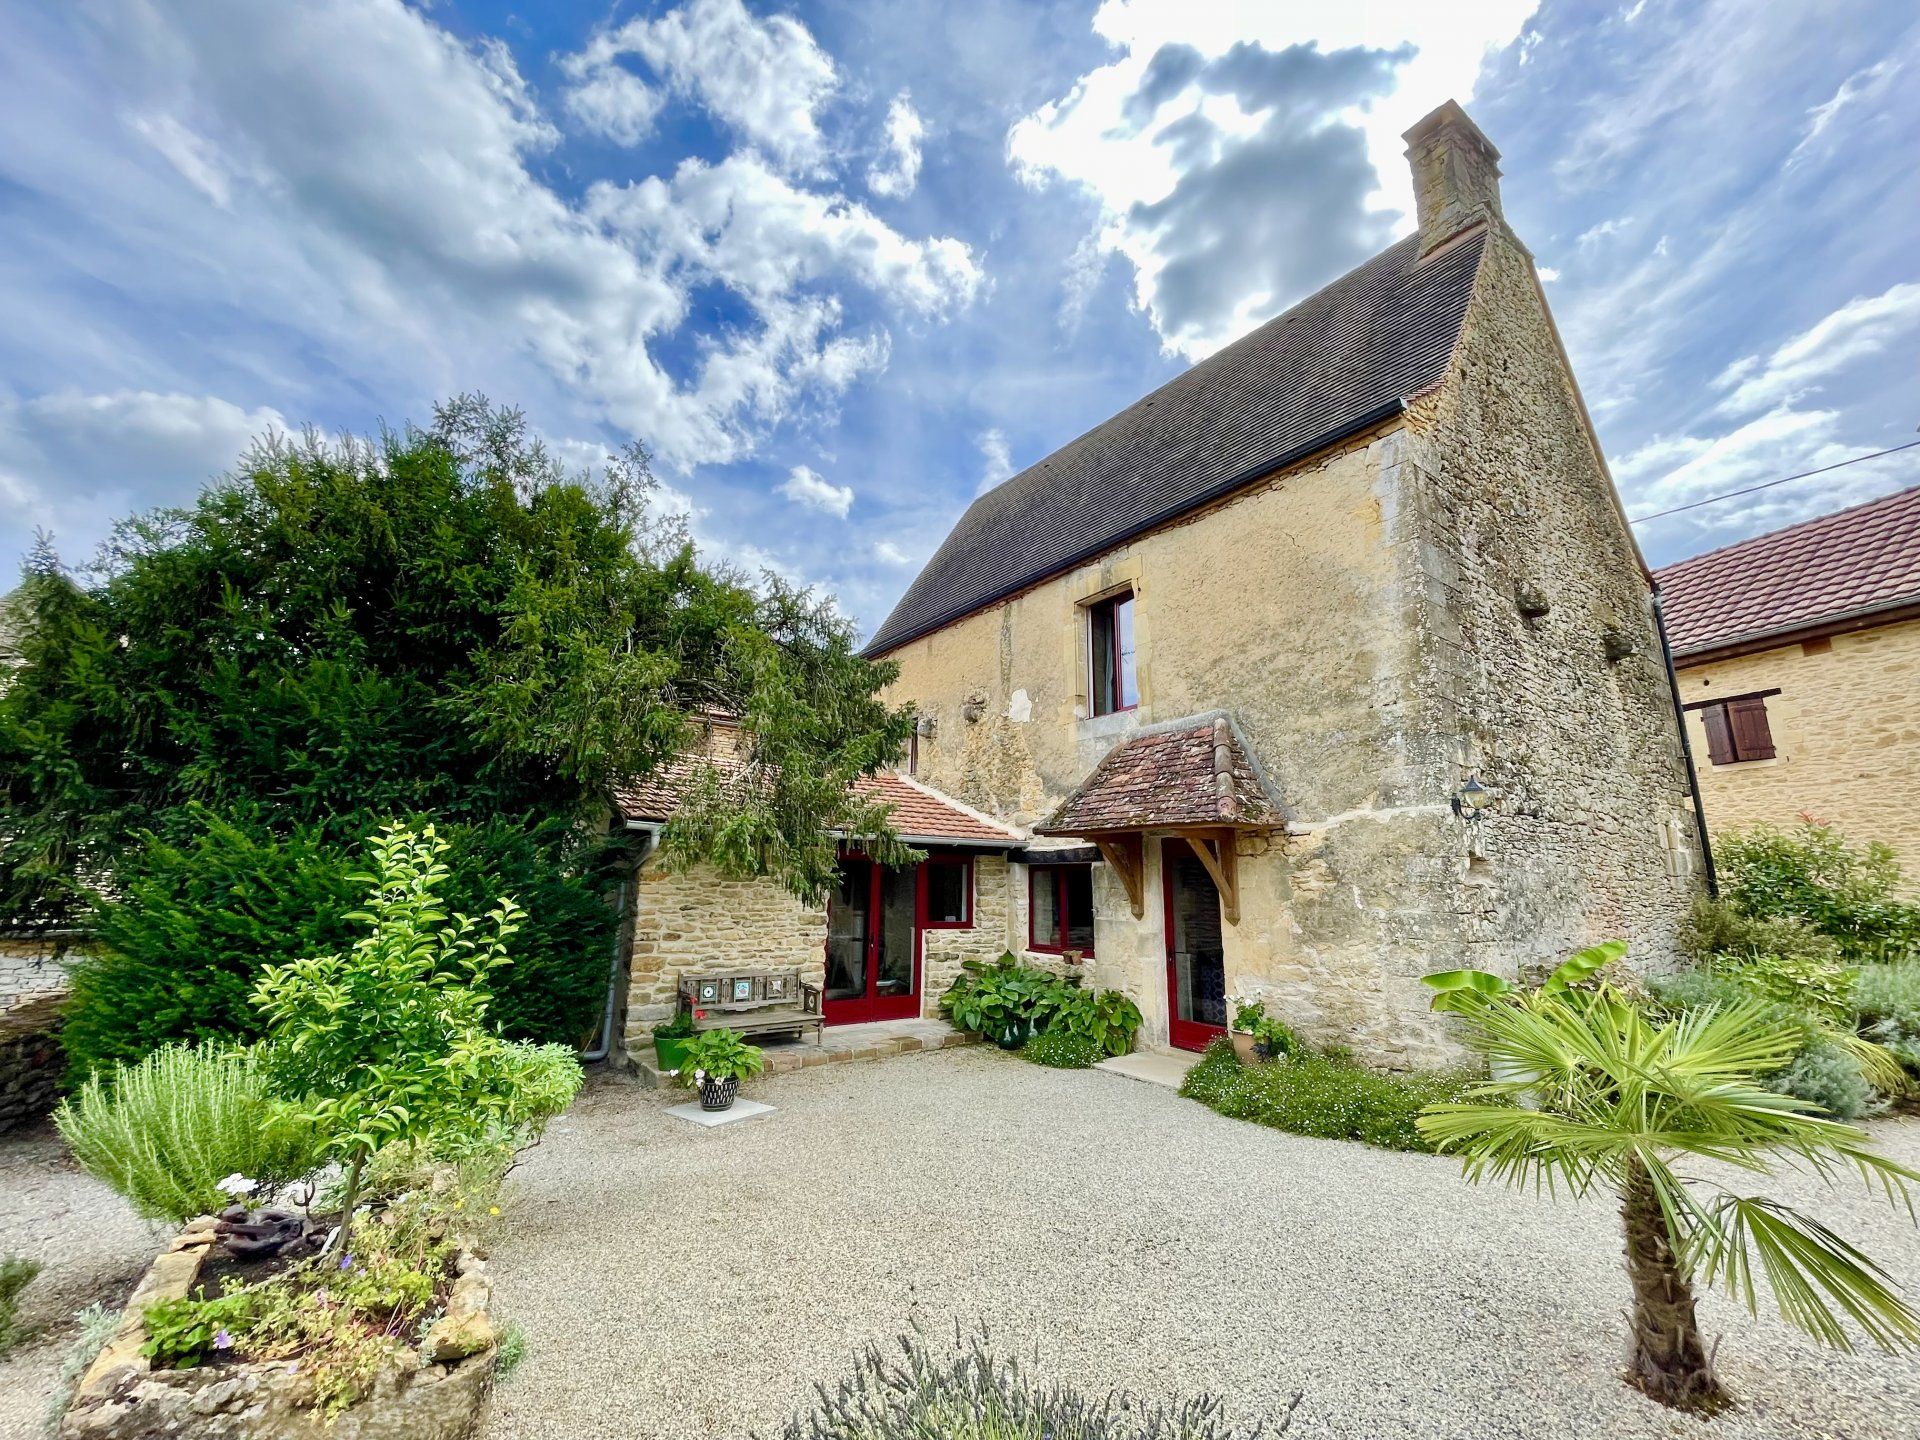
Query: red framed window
x=946, y=892
x=1110, y=631
x=1737, y=728
x=1060, y=908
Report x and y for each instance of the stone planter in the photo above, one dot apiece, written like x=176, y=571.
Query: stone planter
x=439, y=1392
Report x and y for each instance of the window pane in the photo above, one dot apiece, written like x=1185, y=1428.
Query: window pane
x=1078, y=884
x=1045, y=889
x=946, y=892
x=1100, y=624
x=1128, y=690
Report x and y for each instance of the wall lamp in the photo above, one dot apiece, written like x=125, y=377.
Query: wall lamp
x=1472, y=799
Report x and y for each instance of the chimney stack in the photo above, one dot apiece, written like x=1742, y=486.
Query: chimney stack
x=1456, y=175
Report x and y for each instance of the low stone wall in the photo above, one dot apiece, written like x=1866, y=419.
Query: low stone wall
x=123, y=1398
x=33, y=992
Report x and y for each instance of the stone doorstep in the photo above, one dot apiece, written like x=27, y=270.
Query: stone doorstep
x=839, y=1044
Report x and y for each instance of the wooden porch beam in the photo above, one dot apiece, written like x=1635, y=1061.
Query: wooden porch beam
x=1216, y=851
x=1123, y=854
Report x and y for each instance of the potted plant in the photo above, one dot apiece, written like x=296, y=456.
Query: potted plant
x=1247, y=1015
x=715, y=1063
x=670, y=1038
x=1258, y=1036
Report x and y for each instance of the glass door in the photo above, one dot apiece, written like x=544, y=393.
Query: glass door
x=1196, y=957
x=873, y=944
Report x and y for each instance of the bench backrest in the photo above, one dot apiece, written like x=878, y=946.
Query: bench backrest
x=745, y=990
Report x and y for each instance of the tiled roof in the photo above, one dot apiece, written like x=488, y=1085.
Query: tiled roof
x=1857, y=560
x=917, y=811
x=1185, y=774
x=1342, y=359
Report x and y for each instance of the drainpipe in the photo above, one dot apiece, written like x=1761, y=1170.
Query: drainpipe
x=1686, y=748
x=651, y=837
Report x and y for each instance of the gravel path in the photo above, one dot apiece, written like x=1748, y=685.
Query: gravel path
x=92, y=1247
x=697, y=1283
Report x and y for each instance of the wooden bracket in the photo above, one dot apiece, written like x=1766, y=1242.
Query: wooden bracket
x=1216, y=851
x=1123, y=853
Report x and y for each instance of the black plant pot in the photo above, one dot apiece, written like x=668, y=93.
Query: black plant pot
x=719, y=1094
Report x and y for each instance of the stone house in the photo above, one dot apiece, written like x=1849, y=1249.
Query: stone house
x=1328, y=664
x=1798, y=655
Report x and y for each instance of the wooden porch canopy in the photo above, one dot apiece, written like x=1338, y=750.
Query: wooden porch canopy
x=1193, y=778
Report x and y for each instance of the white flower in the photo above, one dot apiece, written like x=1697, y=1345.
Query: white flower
x=237, y=1185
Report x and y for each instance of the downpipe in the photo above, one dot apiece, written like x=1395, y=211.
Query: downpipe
x=604, y=1047
x=1686, y=748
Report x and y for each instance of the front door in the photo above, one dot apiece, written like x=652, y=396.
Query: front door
x=873, y=969
x=1196, y=960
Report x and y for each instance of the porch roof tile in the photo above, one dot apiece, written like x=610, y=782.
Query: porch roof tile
x=918, y=811
x=1186, y=774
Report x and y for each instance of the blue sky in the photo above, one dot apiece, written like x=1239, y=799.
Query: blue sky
x=841, y=265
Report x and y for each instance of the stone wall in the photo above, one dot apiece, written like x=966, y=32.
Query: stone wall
x=1846, y=745
x=698, y=921
x=942, y=951
x=33, y=990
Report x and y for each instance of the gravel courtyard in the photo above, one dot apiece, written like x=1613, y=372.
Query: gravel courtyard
x=687, y=1283
x=683, y=1283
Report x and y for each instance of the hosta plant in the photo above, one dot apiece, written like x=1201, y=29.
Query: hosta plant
x=1613, y=1098
x=719, y=1055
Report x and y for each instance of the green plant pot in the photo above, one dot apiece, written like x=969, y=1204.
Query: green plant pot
x=670, y=1052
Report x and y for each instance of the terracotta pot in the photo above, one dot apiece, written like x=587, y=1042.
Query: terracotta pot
x=1245, y=1047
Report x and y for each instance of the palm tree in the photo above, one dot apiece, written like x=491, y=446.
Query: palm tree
x=1592, y=1092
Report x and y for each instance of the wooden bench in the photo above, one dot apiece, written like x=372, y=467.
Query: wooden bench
x=753, y=1002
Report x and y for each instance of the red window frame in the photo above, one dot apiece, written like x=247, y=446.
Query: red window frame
x=965, y=862
x=1058, y=875
x=1103, y=633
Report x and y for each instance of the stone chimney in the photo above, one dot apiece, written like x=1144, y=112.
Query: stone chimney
x=1456, y=175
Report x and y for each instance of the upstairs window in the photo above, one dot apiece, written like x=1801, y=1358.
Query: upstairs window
x=1110, y=628
x=1737, y=728
x=1060, y=908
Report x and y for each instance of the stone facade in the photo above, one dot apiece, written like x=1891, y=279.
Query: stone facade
x=1454, y=593
x=1846, y=741
x=33, y=991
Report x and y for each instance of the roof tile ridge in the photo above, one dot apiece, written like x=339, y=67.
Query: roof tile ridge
x=1809, y=523
x=985, y=819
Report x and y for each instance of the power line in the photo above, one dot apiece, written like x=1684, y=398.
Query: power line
x=1769, y=484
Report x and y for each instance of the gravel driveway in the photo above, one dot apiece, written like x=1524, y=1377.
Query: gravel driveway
x=687, y=1283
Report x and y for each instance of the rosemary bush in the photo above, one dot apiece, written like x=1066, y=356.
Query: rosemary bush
x=908, y=1392
x=165, y=1132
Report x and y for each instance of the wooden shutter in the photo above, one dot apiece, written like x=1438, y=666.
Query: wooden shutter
x=1752, y=737
x=1719, y=734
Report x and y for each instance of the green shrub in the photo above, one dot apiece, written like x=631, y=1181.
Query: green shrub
x=1324, y=1097
x=166, y=1131
x=16, y=1273
x=719, y=1055
x=1814, y=874
x=1061, y=1049
x=1828, y=1076
x=968, y=1392
x=1886, y=1006
x=511, y=1352
x=1779, y=957
x=1275, y=1039
x=97, y=1324
x=194, y=924
x=1009, y=1002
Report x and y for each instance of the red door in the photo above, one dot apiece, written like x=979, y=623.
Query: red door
x=1196, y=958
x=873, y=944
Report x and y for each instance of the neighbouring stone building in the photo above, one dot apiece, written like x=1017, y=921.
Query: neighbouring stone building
x=33, y=992
x=1329, y=664
x=1798, y=655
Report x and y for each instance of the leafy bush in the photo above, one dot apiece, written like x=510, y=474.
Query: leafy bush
x=1779, y=956
x=97, y=1324
x=165, y=1131
x=1831, y=1077
x=1060, y=1049
x=1886, y=1006
x=195, y=923
x=719, y=1055
x=1812, y=873
x=1321, y=1096
x=16, y=1273
x=1009, y=1002
x=388, y=1042
x=971, y=1393
x=677, y=1026
x=1274, y=1039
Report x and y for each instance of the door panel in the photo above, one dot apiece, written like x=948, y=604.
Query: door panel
x=873, y=944
x=1196, y=955
x=893, y=979
x=849, y=926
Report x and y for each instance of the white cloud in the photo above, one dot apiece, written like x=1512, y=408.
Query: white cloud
x=888, y=553
x=807, y=488
x=1243, y=153
x=998, y=460
x=73, y=463
x=609, y=100
x=1856, y=89
x=198, y=162
x=1860, y=329
x=898, y=171
x=1547, y=274
x=764, y=79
